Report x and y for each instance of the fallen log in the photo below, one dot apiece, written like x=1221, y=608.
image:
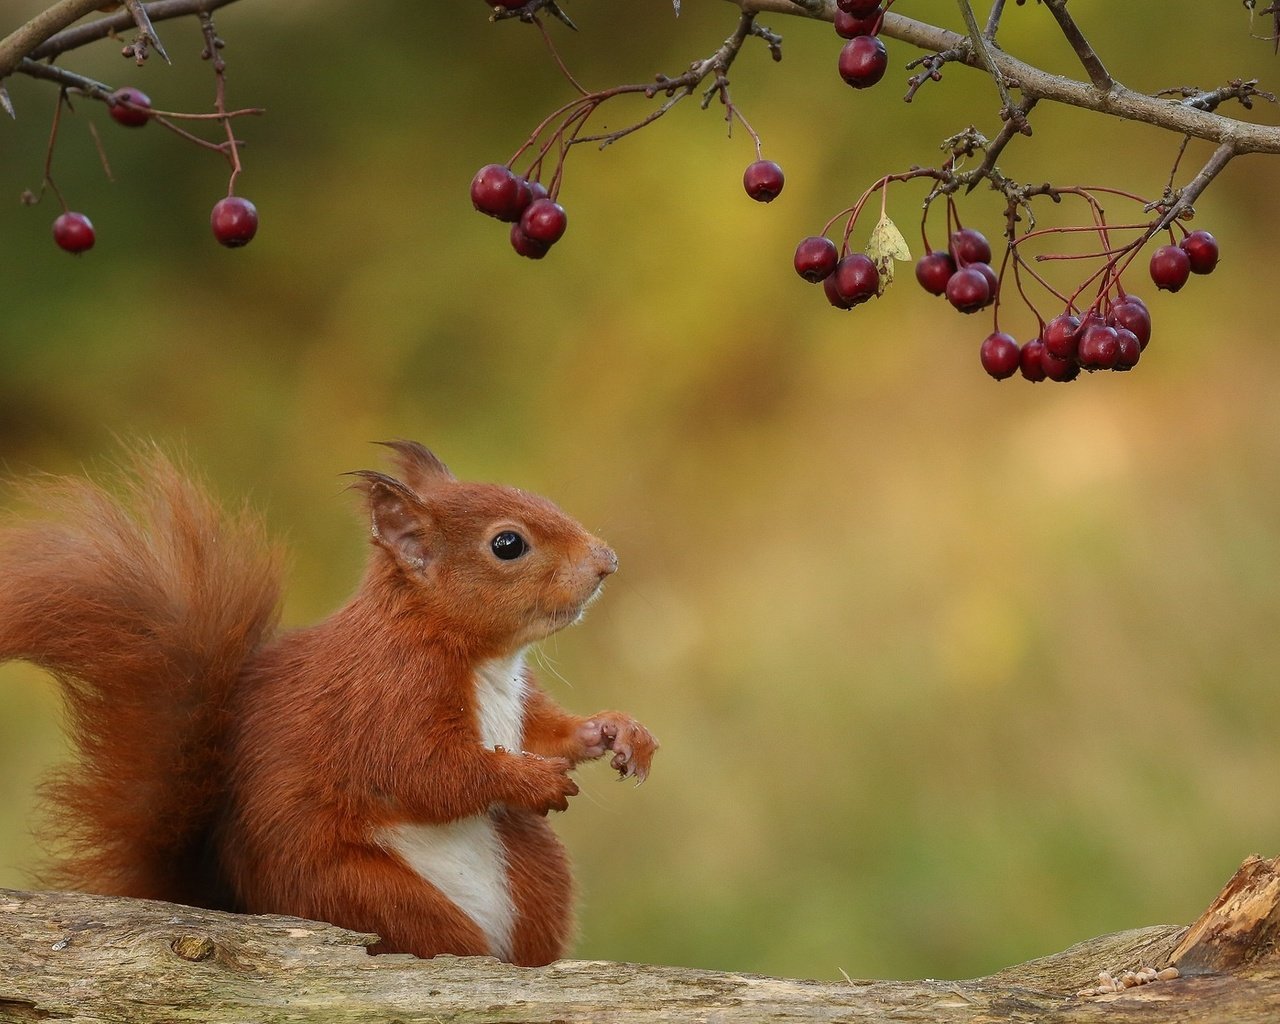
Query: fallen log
x=90, y=959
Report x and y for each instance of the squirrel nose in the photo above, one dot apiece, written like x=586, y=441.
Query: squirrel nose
x=606, y=561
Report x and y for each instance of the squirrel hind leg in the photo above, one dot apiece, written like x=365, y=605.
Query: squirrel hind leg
x=374, y=892
x=541, y=888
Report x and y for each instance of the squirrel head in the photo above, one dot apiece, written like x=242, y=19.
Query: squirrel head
x=496, y=567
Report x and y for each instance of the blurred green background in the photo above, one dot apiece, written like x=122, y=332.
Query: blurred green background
x=948, y=673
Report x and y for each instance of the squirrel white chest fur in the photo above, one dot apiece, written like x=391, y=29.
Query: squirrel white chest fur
x=465, y=859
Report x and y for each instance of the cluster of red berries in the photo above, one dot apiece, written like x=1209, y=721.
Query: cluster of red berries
x=1111, y=335
x=863, y=59
x=537, y=221
x=1105, y=338
x=234, y=220
x=848, y=280
x=1171, y=265
x=962, y=273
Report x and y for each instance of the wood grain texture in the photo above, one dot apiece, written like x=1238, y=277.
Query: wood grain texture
x=93, y=960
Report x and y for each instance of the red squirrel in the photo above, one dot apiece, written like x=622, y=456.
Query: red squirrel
x=389, y=770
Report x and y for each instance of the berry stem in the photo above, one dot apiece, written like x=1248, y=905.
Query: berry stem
x=47, y=182
x=733, y=112
x=924, y=234
x=1035, y=275
x=555, y=56
x=102, y=152
x=995, y=309
x=1012, y=256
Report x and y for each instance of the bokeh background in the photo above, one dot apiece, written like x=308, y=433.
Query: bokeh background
x=948, y=673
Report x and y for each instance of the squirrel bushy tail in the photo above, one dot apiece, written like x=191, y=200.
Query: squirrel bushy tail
x=145, y=606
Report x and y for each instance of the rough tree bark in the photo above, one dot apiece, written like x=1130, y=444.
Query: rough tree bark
x=90, y=959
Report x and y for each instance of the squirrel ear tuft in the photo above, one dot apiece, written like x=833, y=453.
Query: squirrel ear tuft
x=399, y=522
x=418, y=466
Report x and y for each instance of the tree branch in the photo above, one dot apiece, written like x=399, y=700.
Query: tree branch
x=101, y=960
x=67, y=79
x=21, y=41
x=1034, y=83
x=91, y=32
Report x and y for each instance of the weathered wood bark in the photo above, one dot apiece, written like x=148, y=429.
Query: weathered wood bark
x=88, y=959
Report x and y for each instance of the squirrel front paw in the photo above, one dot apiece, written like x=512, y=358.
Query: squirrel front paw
x=632, y=744
x=545, y=784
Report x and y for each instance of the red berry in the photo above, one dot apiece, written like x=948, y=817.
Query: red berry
x=816, y=257
x=528, y=247
x=855, y=279
x=833, y=296
x=73, y=232
x=1130, y=349
x=1131, y=314
x=1061, y=370
x=850, y=25
x=858, y=8
x=1202, y=250
x=234, y=221
x=763, y=181
x=1030, y=360
x=537, y=190
x=863, y=61
x=970, y=246
x=524, y=194
x=968, y=290
x=1061, y=336
x=993, y=282
x=1099, y=347
x=496, y=190
x=1170, y=267
x=544, y=221
x=934, y=270
x=129, y=106
x=1000, y=355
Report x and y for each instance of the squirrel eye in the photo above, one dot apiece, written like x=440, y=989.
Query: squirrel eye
x=508, y=545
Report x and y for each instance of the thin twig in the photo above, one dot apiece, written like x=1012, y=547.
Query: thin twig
x=1190, y=192
x=677, y=88
x=1013, y=125
x=1243, y=90
x=1092, y=63
x=993, y=21
x=147, y=37
x=984, y=54
x=931, y=65
x=213, y=47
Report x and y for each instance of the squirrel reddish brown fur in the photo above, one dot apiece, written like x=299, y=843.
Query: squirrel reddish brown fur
x=388, y=770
